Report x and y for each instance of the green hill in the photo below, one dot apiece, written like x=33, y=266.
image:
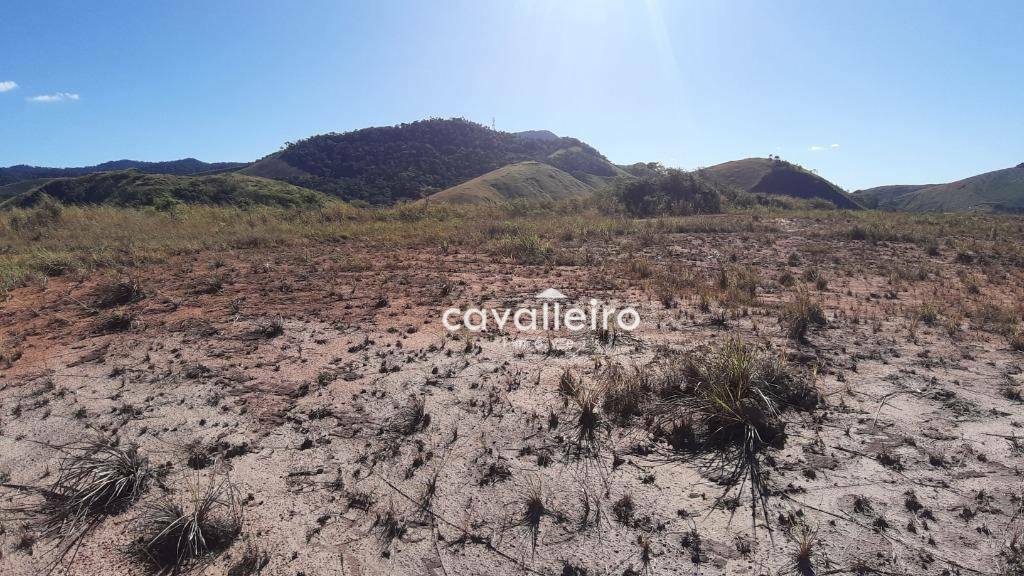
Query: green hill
x=998, y=191
x=777, y=177
x=410, y=161
x=183, y=167
x=137, y=189
x=19, y=188
x=886, y=197
x=523, y=181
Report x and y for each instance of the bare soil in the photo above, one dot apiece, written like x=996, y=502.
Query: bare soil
x=288, y=370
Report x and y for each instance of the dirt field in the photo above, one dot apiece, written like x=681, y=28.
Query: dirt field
x=317, y=385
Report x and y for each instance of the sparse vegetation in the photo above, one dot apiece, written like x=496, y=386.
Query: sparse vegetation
x=301, y=344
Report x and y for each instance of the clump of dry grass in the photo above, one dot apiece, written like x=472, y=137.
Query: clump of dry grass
x=738, y=286
x=524, y=248
x=410, y=417
x=389, y=527
x=568, y=384
x=623, y=509
x=532, y=510
x=928, y=314
x=739, y=389
x=639, y=268
x=96, y=478
x=117, y=292
x=588, y=421
x=119, y=320
x=732, y=405
x=1017, y=339
x=252, y=561
x=806, y=558
x=174, y=537
x=800, y=314
x=270, y=328
x=624, y=391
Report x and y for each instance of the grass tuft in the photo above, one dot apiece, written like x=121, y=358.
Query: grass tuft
x=1017, y=339
x=113, y=293
x=800, y=314
x=732, y=405
x=389, y=527
x=174, y=537
x=588, y=420
x=410, y=418
x=96, y=478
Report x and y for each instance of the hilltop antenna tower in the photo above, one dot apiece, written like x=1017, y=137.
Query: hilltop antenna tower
x=492, y=122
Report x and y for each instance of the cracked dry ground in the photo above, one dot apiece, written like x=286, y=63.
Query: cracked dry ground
x=910, y=464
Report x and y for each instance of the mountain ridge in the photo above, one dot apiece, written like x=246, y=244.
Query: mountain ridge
x=181, y=167
x=994, y=191
x=134, y=188
x=405, y=162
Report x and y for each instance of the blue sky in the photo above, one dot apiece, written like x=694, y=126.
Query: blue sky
x=865, y=92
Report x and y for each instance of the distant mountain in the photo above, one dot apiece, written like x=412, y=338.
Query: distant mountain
x=138, y=189
x=777, y=177
x=181, y=167
x=885, y=197
x=537, y=135
x=998, y=191
x=411, y=161
x=522, y=181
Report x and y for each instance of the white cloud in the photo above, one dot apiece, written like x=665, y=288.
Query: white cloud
x=55, y=97
x=817, y=148
x=8, y=85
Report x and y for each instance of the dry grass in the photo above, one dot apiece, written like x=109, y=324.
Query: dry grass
x=733, y=405
x=800, y=314
x=96, y=478
x=1017, y=339
x=115, y=292
x=409, y=419
x=1011, y=557
x=588, y=421
x=174, y=537
x=54, y=240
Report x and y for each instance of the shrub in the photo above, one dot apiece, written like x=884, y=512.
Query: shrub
x=46, y=211
x=674, y=192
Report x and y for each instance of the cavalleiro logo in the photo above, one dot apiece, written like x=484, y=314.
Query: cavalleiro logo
x=550, y=314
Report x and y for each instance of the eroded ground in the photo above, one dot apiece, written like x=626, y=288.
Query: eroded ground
x=291, y=372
